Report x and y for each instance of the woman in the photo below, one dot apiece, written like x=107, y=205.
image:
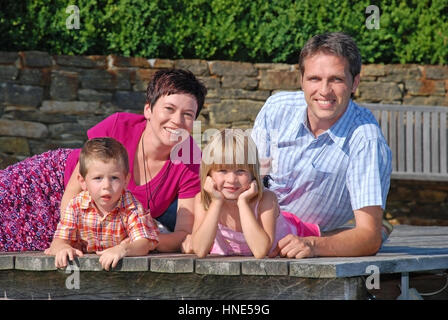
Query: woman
x=33, y=191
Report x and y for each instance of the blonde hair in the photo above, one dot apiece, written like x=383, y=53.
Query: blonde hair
x=229, y=149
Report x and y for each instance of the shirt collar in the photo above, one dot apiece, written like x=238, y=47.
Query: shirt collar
x=338, y=132
x=87, y=202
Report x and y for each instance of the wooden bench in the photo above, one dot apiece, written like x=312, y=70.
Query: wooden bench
x=417, y=137
x=181, y=276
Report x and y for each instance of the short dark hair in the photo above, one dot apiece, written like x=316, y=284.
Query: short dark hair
x=104, y=149
x=335, y=43
x=174, y=81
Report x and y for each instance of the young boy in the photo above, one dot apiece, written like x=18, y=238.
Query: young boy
x=104, y=218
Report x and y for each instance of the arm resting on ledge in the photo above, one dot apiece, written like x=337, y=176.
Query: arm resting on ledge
x=363, y=240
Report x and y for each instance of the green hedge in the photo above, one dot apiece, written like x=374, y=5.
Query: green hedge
x=413, y=31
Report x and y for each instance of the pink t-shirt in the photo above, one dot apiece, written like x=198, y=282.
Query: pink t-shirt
x=175, y=179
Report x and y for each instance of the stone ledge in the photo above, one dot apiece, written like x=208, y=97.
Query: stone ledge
x=409, y=249
x=6, y=261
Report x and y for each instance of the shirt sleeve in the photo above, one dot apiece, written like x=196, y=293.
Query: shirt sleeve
x=368, y=175
x=141, y=224
x=68, y=226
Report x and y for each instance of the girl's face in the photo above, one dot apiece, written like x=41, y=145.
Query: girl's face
x=231, y=182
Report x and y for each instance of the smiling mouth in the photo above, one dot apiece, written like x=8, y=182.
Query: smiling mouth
x=177, y=132
x=231, y=189
x=325, y=103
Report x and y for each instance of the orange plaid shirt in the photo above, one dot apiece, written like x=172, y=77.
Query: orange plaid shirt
x=87, y=229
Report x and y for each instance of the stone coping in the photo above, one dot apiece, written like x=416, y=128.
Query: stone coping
x=409, y=249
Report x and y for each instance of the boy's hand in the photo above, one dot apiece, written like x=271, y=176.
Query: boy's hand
x=249, y=193
x=210, y=187
x=111, y=256
x=60, y=260
x=61, y=248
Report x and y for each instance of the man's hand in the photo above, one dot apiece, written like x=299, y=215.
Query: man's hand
x=293, y=246
x=111, y=256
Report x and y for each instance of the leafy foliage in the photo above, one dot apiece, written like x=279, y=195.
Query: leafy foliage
x=411, y=31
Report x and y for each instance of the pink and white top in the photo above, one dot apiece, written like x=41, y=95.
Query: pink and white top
x=230, y=242
x=175, y=179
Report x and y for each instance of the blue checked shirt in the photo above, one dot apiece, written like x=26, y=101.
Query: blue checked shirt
x=322, y=180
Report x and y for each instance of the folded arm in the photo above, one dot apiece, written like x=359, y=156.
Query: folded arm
x=362, y=240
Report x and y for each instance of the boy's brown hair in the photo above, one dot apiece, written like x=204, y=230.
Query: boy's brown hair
x=104, y=149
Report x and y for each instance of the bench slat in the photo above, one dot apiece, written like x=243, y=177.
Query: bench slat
x=393, y=139
x=426, y=143
x=443, y=155
x=409, y=141
x=385, y=124
x=435, y=142
x=401, y=143
x=418, y=142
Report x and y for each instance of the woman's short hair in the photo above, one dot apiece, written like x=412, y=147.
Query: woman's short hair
x=103, y=149
x=175, y=81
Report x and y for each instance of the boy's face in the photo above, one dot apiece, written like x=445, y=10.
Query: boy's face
x=105, y=182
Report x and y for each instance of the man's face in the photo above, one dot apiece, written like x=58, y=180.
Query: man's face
x=327, y=84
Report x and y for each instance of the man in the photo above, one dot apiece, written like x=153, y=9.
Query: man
x=330, y=161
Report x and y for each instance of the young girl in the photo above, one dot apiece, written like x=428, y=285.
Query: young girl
x=234, y=214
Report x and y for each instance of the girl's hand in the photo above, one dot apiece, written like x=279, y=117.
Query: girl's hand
x=210, y=187
x=187, y=246
x=247, y=195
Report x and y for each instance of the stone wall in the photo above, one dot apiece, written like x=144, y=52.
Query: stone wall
x=50, y=101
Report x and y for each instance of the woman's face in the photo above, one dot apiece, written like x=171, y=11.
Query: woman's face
x=171, y=118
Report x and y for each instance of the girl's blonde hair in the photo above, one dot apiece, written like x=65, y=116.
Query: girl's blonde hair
x=229, y=149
